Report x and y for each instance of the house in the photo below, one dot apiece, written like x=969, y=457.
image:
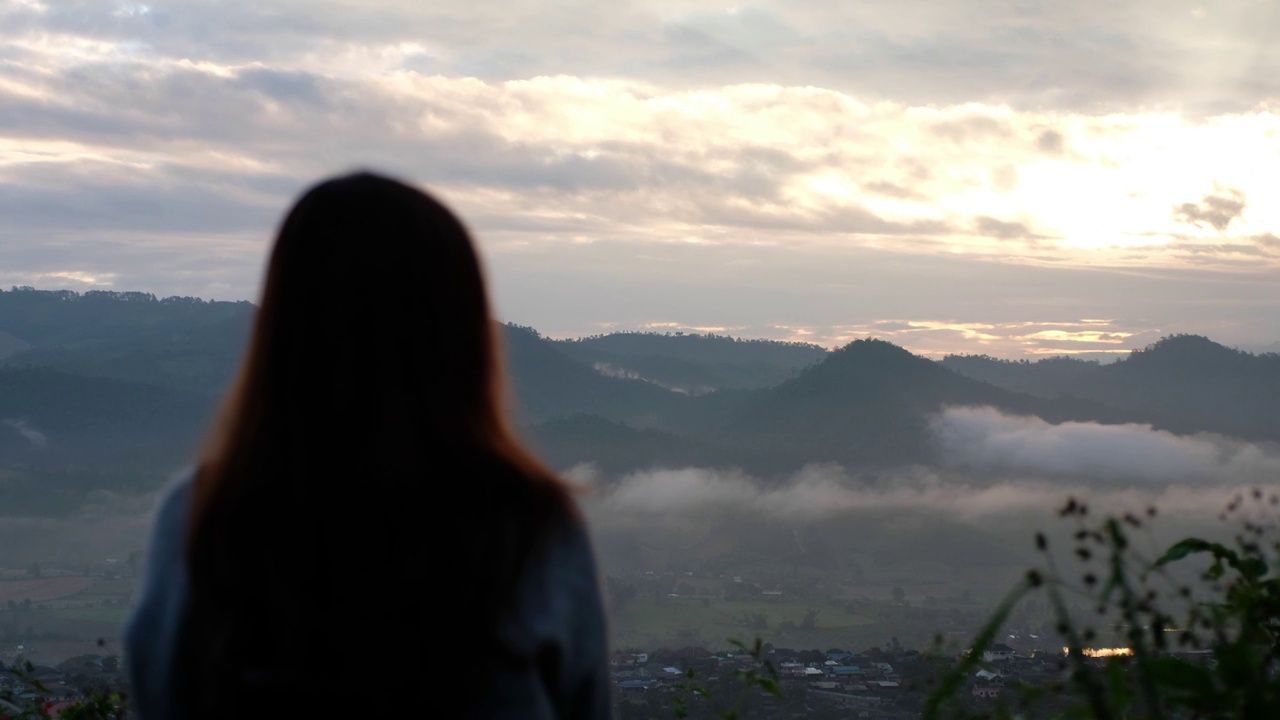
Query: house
x=990, y=677
x=692, y=654
x=985, y=691
x=635, y=685
x=883, y=684
x=997, y=653
x=824, y=685
x=791, y=668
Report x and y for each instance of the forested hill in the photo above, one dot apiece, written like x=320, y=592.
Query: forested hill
x=1184, y=383
x=871, y=401
x=112, y=390
x=182, y=343
x=693, y=363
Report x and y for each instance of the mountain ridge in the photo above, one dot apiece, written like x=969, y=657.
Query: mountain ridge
x=91, y=367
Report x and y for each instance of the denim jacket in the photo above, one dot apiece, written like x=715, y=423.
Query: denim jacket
x=560, y=616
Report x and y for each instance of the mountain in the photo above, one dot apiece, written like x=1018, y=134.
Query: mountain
x=113, y=390
x=691, y=363
x=1047, y=377
x=185, y=344
x=871, y=401
x=548, y=384
x=54, y=419
x=1183, y=383
x=66, y=438
x=615, y=448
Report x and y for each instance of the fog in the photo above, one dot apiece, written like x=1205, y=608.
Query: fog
x=959, y=533
x=985, y=439
x=993, y=464
x=968, y=524
x=823, y=491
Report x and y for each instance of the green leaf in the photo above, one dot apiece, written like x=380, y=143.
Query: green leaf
x=1182, y=676
x=1183, y=548
x=770, y=686
x=986, y=636
x=1252, y=567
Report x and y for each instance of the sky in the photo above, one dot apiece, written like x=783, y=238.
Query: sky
x=1016, y=179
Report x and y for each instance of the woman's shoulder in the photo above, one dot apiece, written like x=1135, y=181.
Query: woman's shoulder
x=151, y=632
x=164, y=557
x=528, y=492
x=561, y=572
x=172, y=511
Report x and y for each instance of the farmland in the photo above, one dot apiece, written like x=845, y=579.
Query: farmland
x=42, y=589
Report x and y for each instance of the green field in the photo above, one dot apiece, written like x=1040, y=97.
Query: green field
x=646, y=623
x=110, y=616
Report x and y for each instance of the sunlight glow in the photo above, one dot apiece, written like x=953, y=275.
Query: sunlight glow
x=82, y=277
x=1101, y=652
x=1088, y=336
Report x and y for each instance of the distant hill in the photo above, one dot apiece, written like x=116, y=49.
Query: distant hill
x=871, y=401
x=549, y=384
x=112, y=391
x=616, y=448
x=692, y=363
x=56, y=420
x=183, y=343
x=1183, y=383
x=64, y=437
x=1047, y=377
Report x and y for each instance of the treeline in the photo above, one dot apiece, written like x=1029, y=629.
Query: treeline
x=1183, y=383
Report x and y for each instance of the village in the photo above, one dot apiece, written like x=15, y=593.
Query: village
x=48, y=691
x=835, y=684
x=872, y=684
x=751, y=680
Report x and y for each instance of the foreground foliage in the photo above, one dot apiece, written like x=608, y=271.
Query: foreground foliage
x=1200, y=623
x=34, y=703
x=758, y=675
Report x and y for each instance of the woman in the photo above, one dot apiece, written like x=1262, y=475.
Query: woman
x=363, y=535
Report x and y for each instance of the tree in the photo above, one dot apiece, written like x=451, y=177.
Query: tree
x=620, y=592
x=810, y=620
x=899, y=594
x=33, y=570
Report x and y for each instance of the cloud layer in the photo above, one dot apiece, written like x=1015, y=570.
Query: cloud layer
x=997, y=466
x=770, y=168
x=986, y=440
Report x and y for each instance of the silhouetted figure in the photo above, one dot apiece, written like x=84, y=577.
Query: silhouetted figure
x=363, y=536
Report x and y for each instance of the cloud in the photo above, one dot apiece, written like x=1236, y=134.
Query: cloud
x=1097, y=338
x=1051, y=142
x=837, y=148
x=823, y=492
x=29, y=433
x=986, y=440
x=1135, y=55
x=962, y=129
x=1217, y=209
x=1004, y=229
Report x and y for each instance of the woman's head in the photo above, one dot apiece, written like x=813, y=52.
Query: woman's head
x=373, y=364
x=375, y=318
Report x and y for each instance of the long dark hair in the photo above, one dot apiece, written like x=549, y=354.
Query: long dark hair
x=362, y=451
